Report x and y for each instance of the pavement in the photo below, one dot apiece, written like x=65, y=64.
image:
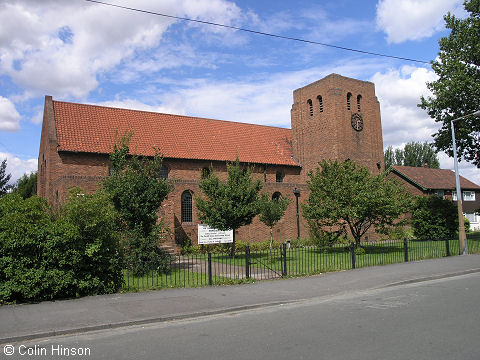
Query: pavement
x=51, y=318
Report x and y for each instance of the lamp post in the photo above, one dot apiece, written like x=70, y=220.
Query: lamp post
x=461, y=225
x=296, y=192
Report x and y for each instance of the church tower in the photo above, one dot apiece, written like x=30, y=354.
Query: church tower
x=337, y=118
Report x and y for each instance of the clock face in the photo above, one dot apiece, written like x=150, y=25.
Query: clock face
x=357, y=121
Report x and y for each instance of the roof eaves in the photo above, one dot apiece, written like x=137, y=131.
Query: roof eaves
x=409, y=179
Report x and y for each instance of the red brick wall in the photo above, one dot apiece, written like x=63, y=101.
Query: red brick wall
x=329, y=134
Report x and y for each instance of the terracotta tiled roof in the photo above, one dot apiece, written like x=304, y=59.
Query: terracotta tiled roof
x=91, y=128
x=435, y=179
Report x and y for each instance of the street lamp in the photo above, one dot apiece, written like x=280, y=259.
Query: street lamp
x=296, y=192
x=461, y=225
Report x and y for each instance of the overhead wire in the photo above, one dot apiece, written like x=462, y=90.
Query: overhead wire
x=260, y=32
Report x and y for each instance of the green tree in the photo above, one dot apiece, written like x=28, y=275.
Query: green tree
x=26, y=186
x=137, y=191
x=434, y=218
x=345, y=196
x=413, y=154
x=230, y=204
x=271, y=211
x=4, y=178
x=456, y=92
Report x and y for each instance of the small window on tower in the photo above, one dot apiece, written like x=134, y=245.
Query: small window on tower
x=349, y=96
x=359, y=99
x=320, y=102
x=310, y=106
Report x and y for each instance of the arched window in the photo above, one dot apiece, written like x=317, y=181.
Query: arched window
x=320, y=102
x=349, y=96
x=163, y=173
x=187, y=208
x=279, y=177
x=276, y=195
x=205, y=172
x=310, y=106
x=359, y=98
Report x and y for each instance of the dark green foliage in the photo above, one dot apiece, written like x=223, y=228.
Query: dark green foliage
x=413, y=154
x=456, y=92
x=4, y=178
x=346, y=197
x=434, y=218
x=137, y=191
x=271, y=211
x=229, y=204
x=44, y=257
x=26, y=186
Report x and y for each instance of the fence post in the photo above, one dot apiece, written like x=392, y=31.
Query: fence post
x=210, y=280
x=247, y=261
x=447, y=246
x=405, y=249
x=284, y=255
x=352, y=250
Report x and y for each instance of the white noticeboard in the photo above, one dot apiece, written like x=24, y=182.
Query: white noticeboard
x=208, y=235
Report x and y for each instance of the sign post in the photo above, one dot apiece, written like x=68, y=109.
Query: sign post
x=208, y=235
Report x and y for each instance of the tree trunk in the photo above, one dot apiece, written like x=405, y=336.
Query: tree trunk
x=271, y=243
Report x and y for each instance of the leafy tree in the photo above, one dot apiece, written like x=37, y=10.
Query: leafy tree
x=137, y=191
x=413, y=154
x=271, y=211
x=4, y=178
x=457, y=91
x=230, y=204
x=434, y=218
x=26, y=186
x=345, y=196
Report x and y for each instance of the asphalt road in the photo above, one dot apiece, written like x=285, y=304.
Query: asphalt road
x=436, y=319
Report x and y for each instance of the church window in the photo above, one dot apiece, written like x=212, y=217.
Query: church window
x=359, y=98
x=187, y=207
x=279, y=177
x=320, y=102
x=205, y=172
x=349, y=96
x=310, y=106
x=163, y=173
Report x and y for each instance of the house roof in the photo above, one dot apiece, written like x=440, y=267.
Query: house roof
x=433, y=179
x=94, y=129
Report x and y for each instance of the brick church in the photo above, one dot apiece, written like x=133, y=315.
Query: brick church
x=333, y=118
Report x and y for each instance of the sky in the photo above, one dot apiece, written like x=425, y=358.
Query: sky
x=91, y=53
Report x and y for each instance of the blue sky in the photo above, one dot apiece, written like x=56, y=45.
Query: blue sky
x=90, y=53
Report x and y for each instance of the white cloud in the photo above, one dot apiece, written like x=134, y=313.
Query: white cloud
x=399, y=92
x=18, y=167
x=61, y=48
x=404, y=20
x=9, y=116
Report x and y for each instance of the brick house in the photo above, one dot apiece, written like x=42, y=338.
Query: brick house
x=333, y=118
x=440, y=182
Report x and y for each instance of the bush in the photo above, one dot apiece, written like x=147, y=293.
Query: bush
x=43, y=257
x=24, y=228
x=434, y=218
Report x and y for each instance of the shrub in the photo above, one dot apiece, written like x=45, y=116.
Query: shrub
x=24, y=228
x=43, y=257
x=434, y=218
